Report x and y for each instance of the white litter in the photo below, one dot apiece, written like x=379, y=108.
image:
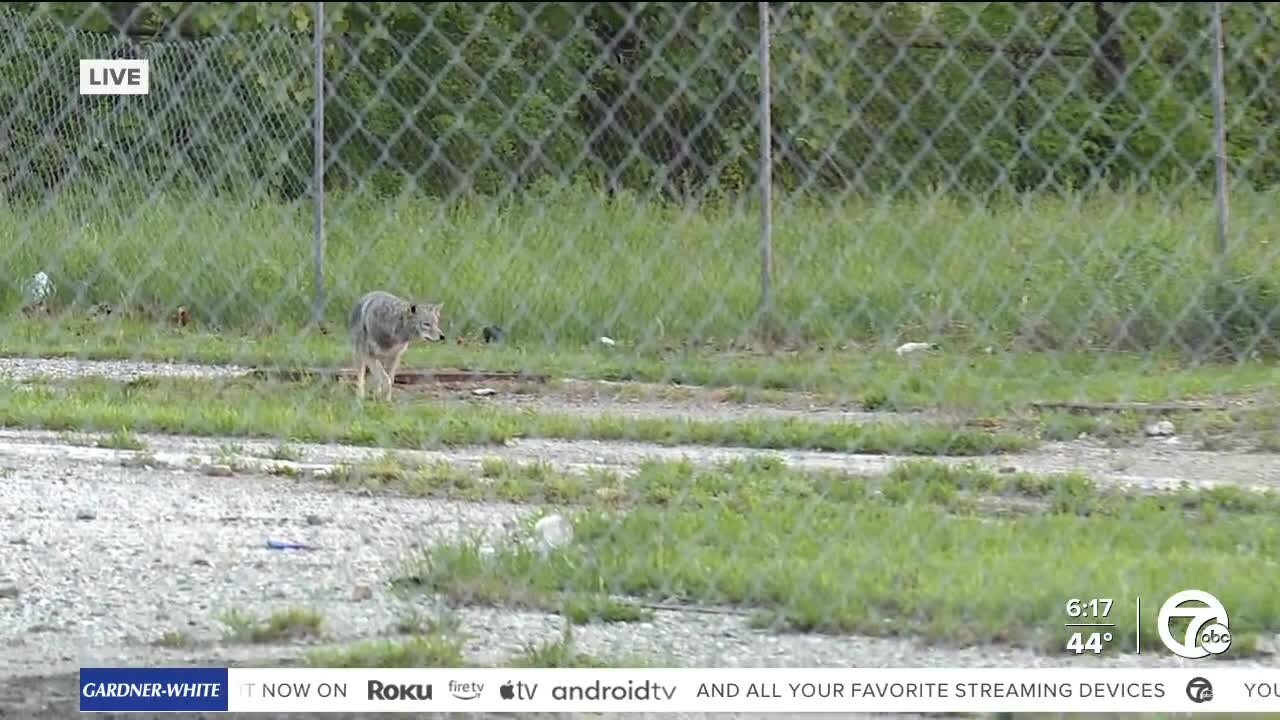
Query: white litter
x=913, y=347
x=39, y=288
x=553, y=532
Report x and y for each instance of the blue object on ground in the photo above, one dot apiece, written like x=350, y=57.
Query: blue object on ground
x=286, y=545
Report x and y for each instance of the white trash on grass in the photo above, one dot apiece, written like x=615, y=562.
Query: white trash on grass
x=915, y=347
x=38, y=289
x=553, y=531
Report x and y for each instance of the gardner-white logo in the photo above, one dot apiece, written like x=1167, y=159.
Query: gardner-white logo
x=1207, y=632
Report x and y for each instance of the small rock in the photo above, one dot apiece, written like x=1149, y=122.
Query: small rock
x=1008, y=470
x=314, y=519
x=201, y=562
x=492, y=334
x=217, y=470
x=8, y=591
x=483, y=392
x=607, y=340
x=85, y=515
x=1164, y=428
x=360, y=593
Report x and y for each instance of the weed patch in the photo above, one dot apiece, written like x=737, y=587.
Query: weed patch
x=914, y=553
x=281, y=626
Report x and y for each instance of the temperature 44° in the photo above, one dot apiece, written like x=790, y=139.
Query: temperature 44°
x=1088, y=642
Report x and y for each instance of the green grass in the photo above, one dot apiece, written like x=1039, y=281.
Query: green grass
x=872, y=377
x=588, y=608
x=283, y=625
x=122, y=440
x=566, y=267
x=445, y=650
x=954, y=554
x=285, y=452
x=434, y=642
x=174, y=639
x=961, y=487
x=419, y=651
x=564, y=653
x=329, y=412
x=672, y=483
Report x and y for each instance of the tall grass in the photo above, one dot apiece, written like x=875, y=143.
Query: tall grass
x=1125, y=269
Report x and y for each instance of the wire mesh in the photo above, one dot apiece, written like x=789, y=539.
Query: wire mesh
x=977, y=283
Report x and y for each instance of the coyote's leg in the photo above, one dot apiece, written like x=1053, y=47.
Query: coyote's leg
x=384, y=381
x=391, y=374
x=361, y=366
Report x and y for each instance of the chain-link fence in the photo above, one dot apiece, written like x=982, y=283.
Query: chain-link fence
x=524, y=105
x=1036, y=204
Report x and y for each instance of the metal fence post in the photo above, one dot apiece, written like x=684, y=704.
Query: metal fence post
x=317, y=180
x=766, y=177
x=1219, y=130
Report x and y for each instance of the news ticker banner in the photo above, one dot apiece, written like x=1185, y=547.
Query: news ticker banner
x=281, y=690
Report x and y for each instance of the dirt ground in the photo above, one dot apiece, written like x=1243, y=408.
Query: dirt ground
x=101, y=555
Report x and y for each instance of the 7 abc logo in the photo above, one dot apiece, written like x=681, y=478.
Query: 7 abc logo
x=1199, y=690
x=1207, y=630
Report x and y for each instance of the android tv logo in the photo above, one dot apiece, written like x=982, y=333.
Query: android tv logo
x=1207, y=632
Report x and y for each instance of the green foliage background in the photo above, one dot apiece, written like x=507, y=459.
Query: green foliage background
x=494, y=97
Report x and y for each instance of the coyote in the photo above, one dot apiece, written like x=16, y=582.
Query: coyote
x=382, y=326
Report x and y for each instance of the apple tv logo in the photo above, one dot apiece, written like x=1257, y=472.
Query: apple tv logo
x=517, y=691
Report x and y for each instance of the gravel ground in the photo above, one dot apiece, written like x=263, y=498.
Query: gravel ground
x=99, y=559
x=22, y=369
x=82, y=533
